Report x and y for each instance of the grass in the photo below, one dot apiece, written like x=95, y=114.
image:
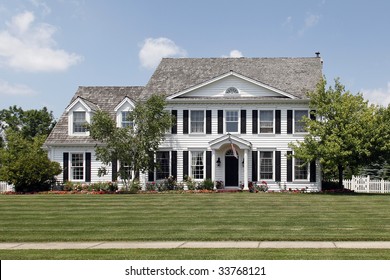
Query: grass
x=198, y=254
x=194, y=217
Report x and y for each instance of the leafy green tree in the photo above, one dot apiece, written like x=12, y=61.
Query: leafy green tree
x=134, y=145
x=30, y=123
x=25, y=164
x=341, y=136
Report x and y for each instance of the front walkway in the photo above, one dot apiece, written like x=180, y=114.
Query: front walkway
x=199, y=244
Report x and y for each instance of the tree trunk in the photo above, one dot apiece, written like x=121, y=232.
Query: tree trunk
x=341, y=171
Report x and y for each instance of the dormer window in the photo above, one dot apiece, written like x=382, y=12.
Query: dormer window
x=232, y=90
x=79, y=121
x=125, y=119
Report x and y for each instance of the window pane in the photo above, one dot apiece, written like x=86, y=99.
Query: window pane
x=266, y=121
x=301, y=169
x=266, y=165
x=162, y=169
x=197, y=121
x=79, y=122
x=298, y=120
x=231, y=121
x=197, y=166
x=125, y=119
x=77, y=166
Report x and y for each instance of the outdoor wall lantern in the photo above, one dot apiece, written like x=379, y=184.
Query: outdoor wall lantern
x=218, y=162
x=242, y=162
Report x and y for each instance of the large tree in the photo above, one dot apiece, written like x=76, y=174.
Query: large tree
x=30, y=123
x=134, y=145
x=340, y=135
x=25, y=164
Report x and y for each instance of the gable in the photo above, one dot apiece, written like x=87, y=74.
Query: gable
x=239, y=87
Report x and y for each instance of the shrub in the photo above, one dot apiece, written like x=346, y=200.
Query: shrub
x=207, y=184
x=191, y=184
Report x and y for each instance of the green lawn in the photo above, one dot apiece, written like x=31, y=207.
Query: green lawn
x=194, y=217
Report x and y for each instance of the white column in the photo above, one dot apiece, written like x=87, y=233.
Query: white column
x=213, y=167
x=246, y=169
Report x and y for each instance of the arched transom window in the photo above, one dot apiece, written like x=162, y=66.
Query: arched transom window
x=232, y=90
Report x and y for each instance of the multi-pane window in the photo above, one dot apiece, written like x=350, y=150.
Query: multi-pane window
x=77, y=166
x=79, y=122
x=299, y=124
x=197, y=121
x=231, y=121
x=197, y=165
x=162, y=169
x=266, y=121
x=266, y=165
x=125, y=119
x=300, y=169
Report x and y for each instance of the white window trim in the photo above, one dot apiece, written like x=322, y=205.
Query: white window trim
x=70, y=123
x=190, y=164
x=239, y=121
x=190, y=122
x=293, y=119
x=259, y=164
x=273, y=122
x=70, y=175
x=308, y=172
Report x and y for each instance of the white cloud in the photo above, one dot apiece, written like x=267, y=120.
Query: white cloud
x=234, y=54
x=378, y=96
x=311, y=21
x=29, y=46
x=7, y=89
x=46, y=10
x=154, y=49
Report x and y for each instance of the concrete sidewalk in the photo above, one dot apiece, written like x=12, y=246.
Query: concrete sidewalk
x=197, y=244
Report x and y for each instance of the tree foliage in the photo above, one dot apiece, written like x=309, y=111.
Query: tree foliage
x=29, y=123
x=25, y=164
x=133, y=146
x=343, y=134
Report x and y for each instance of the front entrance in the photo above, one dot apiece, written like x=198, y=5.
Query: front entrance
x=231, y=169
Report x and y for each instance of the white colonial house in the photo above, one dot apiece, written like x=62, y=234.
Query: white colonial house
x=235, y=120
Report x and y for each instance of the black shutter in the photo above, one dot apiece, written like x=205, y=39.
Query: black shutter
x=289, y=121
x=174, y=127
x=220, y=121
x=313, y=115
x=313, y=171
x=254, y=165
x=87, y=167
x=243, y=121
x=185, y=164
x=185, y=121
x=65, y=170
x=208, y=164
x=174, y=164
x=114, y=170
x=254, y=121
x=289, y=167
x=278, y=126
x=151, y=168
x=278, y=166
x=208, y=121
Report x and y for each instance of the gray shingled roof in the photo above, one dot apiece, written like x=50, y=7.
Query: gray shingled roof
x=103, y=98
x=296, y=76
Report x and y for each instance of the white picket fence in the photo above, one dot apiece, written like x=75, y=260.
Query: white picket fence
x=365, y=185
x=4, y=187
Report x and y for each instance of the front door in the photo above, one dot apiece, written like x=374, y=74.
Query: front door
x=231, y=170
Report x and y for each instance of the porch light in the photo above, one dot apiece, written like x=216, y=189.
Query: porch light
x=218, y=162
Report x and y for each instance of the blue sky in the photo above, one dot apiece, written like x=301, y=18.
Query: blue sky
x=50, y=47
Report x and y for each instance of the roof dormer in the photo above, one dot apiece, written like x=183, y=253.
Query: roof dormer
x=80, y=112
x=122, y=110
